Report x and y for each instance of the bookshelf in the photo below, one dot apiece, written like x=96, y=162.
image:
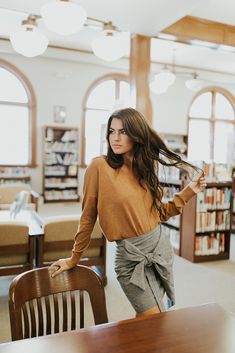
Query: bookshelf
x=60, y=167
x=14, y=175
x=233, y=200
x=171, y=182
x=206, y=224
x=173, y=225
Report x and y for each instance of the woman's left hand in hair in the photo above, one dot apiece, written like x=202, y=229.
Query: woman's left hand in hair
x=199, y=184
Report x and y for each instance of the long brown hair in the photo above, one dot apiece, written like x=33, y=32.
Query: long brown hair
x=148, y=151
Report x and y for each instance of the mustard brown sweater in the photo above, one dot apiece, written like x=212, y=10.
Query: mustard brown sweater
x=122, y=205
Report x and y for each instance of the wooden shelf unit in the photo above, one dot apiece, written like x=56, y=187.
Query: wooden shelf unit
x=188, y=230
x=14, y=175
x=60, y=164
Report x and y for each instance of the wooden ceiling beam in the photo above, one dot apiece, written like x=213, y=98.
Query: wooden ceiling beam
x=194, y=28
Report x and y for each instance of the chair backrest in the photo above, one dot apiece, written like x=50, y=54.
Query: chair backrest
x=8, y=194
x=16, y=248
x=41, y=305
x=58, y=240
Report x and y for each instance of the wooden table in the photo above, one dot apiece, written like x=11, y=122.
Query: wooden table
x=203, y=329
x=31, y=218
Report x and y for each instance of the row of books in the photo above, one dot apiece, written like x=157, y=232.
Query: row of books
x=61, y=183
x=56, y=158
x=61, y=170
x=174, y=236
x=58, y=146
x=14, y=172
x=14, y=181
x=215, y=171
x=69, y=194
x=174, y=221
x=168, y=173
x=214, y=198
x=211, y=244
x=69, y=135
x=210, y=221
x=169, y=192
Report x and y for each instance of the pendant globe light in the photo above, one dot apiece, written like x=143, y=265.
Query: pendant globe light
x=63, y=17
x=164, y=79
x=194, y=84
x=28, y=41
x=110, y=46
x=158, y=87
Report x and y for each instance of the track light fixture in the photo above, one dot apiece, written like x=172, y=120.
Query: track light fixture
x=65, y=17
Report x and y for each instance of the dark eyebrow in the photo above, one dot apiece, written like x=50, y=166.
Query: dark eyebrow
x=118, y=129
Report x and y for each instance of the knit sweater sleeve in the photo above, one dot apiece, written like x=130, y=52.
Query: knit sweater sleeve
x=175, y=207
x=89, y=212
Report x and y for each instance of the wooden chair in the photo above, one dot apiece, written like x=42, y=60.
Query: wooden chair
x=16, y=248
x=8, y=194
x=58, y=240
x=41, y=305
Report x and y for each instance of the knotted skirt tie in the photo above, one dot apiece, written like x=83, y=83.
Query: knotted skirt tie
x=144, y=270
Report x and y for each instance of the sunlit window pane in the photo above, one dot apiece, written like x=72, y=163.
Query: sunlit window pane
x=102, y=96
x=95, y=131
x=201, y=107
x=199, y=140
x=222, y=132
x=14, y=133
x=11, y=89
x=223, y=108
x=106, y=97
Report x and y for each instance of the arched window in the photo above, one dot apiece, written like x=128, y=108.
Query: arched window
x=106, y=94
x=210, y=123
x=17, y=118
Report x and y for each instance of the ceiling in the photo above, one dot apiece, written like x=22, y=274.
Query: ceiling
x=147, y=17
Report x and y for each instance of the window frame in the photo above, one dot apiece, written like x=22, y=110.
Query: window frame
x=111, y=76
x=31, y=105
x=212, y=120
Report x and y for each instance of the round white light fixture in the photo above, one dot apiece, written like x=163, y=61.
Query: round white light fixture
x=162, y=81
x=29, y=41
x=63, y=17
x=158, y=88
x=194, y=84
x=165, y=77
x=110, y=46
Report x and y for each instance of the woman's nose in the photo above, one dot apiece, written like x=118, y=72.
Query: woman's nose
x=116, y=136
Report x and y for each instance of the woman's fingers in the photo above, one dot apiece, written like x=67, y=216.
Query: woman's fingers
x=58, y=267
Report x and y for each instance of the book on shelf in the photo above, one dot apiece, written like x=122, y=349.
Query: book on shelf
x=212, y=244
x=215, y=220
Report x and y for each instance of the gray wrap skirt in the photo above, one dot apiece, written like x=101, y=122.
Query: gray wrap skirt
x=144, y=269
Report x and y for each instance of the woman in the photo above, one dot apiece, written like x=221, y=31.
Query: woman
x=123, y=190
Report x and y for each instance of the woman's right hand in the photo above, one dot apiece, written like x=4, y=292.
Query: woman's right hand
x=60, y=266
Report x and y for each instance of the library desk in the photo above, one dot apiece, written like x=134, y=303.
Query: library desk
x=202, y=329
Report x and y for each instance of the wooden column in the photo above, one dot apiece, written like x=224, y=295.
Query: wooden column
x=139, y=74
